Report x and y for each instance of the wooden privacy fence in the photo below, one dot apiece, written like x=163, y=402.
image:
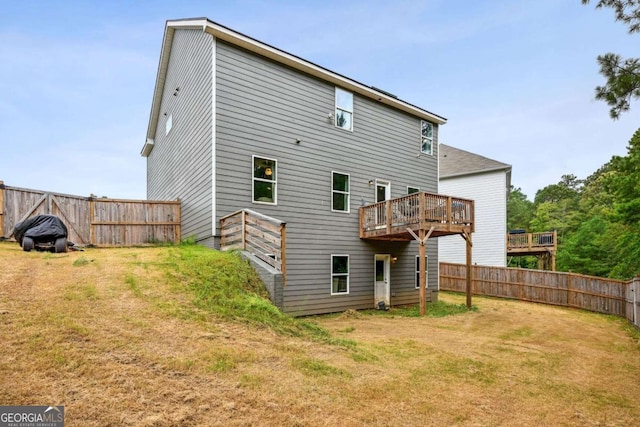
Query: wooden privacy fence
x=590, y=293
x=259, y=234
x=94, y=221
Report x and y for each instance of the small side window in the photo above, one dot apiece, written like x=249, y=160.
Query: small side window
x=264, y=180
x=168, y=125
x=426, y=144
x=411, y=190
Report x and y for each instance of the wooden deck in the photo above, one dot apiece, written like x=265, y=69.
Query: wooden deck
x=520, y=244
x=420, y=216
x=392, y=219
x=541, y=245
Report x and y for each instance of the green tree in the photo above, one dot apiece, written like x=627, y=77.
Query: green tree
x=557, y=206
x=567, y=189
x=590, y=250
x=519, y=210
x=622, y=75
x=627, y=254
x=624, y=184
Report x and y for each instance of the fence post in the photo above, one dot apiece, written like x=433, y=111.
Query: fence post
x=520, y=284
x=178, y=229
x=92, y=220
x=244, y=237
x=634, y=290
x=1, y=208
x=569, y=289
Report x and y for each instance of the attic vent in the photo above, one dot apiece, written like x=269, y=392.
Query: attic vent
x=385, y=92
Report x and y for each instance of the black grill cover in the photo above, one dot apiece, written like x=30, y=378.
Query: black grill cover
x=41, y=228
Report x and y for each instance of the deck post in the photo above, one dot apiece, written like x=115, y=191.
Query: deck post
x=283, y=253
x=467, y=237
x=422, y=209
x=449, y=213
x=423, y=272
x=387, y=209
x=554, y=251
x=422, y=237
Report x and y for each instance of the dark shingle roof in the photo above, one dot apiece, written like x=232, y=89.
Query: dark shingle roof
x=456, y=162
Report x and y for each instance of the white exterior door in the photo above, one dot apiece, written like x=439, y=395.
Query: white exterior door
x=382, y=280
x=383, y=191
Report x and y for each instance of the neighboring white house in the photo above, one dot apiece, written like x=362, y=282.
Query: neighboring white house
x=487, y=182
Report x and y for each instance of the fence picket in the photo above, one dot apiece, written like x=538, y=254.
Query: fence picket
x=100, y=222
x=596, y=294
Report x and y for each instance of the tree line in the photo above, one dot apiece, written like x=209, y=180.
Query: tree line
x=597, y=218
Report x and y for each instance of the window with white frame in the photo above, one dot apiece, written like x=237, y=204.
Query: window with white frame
x=339, y=274
x=339, y=192
x=168, y=125
x=411, y=190
x=418, y=270
x=426, y=144
x=344, y=109
x=264, y=180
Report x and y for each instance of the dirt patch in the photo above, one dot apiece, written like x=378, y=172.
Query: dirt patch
x=102, y=333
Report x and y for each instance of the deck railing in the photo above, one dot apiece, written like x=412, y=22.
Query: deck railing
x=261, y=235
x=416, y=209
x=531, y=241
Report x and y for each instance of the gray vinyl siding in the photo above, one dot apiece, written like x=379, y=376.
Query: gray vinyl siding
x=261, y=109
x=179, y=166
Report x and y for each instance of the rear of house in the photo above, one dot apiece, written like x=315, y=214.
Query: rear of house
x=239, y=124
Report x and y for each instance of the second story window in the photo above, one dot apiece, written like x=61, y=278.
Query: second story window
x=412, y=190
x=426, y=145
x=339, y=192
x=344, y=109
x=264, y=180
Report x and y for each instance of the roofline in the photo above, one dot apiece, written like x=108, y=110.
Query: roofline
x=506, y=168
x=238, y=39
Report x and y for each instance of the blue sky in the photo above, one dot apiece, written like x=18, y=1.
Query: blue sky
x=514, y=78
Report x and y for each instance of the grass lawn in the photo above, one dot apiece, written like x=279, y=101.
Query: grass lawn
x=182, y=336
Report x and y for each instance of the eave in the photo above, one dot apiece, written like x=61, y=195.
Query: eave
x=237, y=39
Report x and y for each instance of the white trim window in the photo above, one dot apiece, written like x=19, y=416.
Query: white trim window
x=265, y=183
x=339, y=274
x=412, y=190
x=344, y=109
x=340, y=197
x=168, y=125
x=417, y=279
x=426, y=143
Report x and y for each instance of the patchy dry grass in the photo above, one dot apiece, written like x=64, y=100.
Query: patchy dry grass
x=123, y=337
